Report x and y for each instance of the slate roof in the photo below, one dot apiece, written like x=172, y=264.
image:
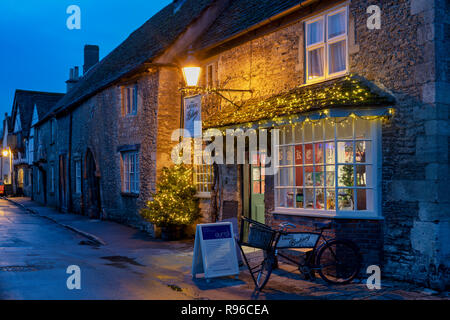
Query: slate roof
x=147, y=42
x=24, y=102
x=349, y=91
x=241, y=15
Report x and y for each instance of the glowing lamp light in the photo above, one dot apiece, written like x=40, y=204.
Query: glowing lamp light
x=191, y=70
x=191, y=75
x=5, y=153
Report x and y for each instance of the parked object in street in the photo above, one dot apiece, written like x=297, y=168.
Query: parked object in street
x=337, y=261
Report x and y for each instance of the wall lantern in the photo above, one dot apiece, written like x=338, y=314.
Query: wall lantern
x=191, y=70
x=191, y=73
x=5, y=152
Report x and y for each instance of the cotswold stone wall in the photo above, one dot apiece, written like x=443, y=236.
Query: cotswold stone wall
x=407, y=57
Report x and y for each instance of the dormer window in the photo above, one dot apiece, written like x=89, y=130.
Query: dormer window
x=326, y=45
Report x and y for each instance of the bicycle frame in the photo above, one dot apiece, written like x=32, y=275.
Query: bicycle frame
x=309, y=255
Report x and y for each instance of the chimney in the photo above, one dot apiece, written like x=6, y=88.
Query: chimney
x=91, y=56
x=73, y=78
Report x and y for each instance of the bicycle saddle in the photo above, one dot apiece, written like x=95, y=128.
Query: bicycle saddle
x=323, y=225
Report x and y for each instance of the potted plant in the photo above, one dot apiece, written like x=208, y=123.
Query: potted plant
x=174, y=205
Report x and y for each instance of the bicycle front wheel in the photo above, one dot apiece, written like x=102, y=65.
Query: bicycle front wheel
x=338, y=261
x=263, y=275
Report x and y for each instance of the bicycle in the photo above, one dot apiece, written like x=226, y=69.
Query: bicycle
x=338, y=261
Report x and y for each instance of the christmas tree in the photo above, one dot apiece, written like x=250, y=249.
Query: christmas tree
x=174, y=202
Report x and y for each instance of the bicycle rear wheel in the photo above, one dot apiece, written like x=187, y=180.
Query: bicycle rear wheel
x=263, y=274
x=338, y=261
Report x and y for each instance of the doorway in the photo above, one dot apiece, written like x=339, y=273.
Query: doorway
x=93, y=203
x=257, y=188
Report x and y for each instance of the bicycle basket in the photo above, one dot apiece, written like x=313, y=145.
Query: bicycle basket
x=256, y=235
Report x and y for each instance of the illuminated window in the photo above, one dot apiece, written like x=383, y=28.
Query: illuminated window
x=326, y=45
x=328, y=167
x=203, y=176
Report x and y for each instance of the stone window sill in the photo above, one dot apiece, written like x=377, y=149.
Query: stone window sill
x=129, y=194
x=329, y=214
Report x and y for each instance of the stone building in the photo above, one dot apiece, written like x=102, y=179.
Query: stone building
x=361, y=112
x=28, y=108
x=115, y=123
x=363, y=120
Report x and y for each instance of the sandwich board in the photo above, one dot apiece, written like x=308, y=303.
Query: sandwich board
x=215, y=251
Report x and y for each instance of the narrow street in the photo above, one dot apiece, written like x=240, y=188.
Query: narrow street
x=35, y=251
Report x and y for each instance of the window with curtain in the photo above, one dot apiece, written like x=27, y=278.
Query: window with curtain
x=326, y=45
x=328, y=166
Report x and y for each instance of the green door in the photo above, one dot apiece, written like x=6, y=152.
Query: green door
x=257, y=184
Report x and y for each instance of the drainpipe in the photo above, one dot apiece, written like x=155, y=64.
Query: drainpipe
x=69, y=165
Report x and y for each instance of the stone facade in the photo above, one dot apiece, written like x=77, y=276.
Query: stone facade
x=406, y=58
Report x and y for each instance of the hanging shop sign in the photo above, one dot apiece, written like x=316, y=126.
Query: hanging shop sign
x=192, y=114
x=215, y=250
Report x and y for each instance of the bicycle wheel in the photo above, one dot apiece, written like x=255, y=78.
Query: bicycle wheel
x=265, y=271
x=338, y=261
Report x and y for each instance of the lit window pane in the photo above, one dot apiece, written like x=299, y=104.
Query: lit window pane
x=315, y=63
x=318, y=130
x=289, y=198
x=299, y=176
x=318, y=176
x=288, y=135
x=298, y=155
x=318, y=152
x=362, y=129
x=256, y=187
x=361, y=151
x=345, y=152
x=309, y=154
x=330, y=152
x=281, y=197
x=307, y=130
x=309, y=179
x=345, y=176
x=299, y=198
x=298, y=133
x=346, y=199
x=362, y=174
x=286, y=176
x=337, y=56
x=309, y=198
x=345, y=129
x=331, y=199
x=330, y=174
x=320, y=199
x=315, y=32
x=329, y=130
x=336, y=24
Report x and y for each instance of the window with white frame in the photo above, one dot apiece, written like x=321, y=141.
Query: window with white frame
x=203, y=175
x=327, y=45
x=328, y=167
x=78, y=176
x=130, y=172
x=129, y=100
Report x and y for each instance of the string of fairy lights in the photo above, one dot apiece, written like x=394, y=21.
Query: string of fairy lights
x=346, y=92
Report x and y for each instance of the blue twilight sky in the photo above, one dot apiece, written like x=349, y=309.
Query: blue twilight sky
x=37, y=49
